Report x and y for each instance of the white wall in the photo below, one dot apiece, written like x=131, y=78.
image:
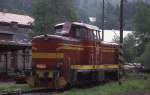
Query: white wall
x=109, y=34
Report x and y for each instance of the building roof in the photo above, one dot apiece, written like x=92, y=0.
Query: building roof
x=20, y=19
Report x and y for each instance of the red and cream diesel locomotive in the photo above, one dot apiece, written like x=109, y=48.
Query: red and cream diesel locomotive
x=75, y=54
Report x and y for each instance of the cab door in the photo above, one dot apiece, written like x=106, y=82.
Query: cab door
x=94, y=49
x=98, y=47
x=80, y=33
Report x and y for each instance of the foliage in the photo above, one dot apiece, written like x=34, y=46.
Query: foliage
x=130, y=48
x=135, y=44
x=112, y=12
x=84, y=10
x=49, y=12
x=142, y=19
x=116, y=39
x=16, y=6
x=141, y=24
x=146, y=56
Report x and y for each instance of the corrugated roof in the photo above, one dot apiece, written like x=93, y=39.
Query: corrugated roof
x=20, y=19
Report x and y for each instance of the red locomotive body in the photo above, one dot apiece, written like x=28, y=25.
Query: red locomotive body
x=74, y=55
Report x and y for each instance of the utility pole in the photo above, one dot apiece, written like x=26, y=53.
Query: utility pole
x=121, y=21
x=121, y=58
x=103, y=16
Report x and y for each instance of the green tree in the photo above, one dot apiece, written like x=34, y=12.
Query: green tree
x=146, y=56
x=49, y=12
x=142, y=19
x=16, y=6
x=129, y=47
x=141, y=24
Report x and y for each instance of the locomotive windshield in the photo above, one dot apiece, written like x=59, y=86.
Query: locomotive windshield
x=58, y=30
x=85, y=33
x=79, y=32
x=62, y=29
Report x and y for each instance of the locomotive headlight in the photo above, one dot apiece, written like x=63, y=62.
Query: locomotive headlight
x=41, y=66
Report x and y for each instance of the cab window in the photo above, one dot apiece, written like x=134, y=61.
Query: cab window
x=94, y=35
x=91, y=35
x=58, y=30
x=80, y=32
x=97, y=35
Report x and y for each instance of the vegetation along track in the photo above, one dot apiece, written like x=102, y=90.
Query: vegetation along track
x=132, y=83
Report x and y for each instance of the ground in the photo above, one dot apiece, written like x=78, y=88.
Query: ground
x=133, y=84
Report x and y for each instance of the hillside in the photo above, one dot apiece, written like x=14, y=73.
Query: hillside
x=111, y=12
x=16, y=6
x=85, y=10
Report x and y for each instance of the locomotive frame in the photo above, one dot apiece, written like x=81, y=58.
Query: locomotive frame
x=75, y=54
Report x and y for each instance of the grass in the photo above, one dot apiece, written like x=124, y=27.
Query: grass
x=131, y=84
x=7, y=88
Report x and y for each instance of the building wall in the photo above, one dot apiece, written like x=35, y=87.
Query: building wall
x=2, y=62
x=15, y=33
x=22, y=35
x=20, y=58
x=7, y=37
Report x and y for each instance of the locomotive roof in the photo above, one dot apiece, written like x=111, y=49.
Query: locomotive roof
x=81, y=24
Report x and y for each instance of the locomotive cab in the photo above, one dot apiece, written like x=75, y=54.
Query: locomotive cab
x=74, y=54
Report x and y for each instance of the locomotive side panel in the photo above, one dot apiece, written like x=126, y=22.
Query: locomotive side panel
x=73, y=54
x=109, y=55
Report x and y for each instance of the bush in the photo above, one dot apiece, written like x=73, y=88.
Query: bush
x=145, y=57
